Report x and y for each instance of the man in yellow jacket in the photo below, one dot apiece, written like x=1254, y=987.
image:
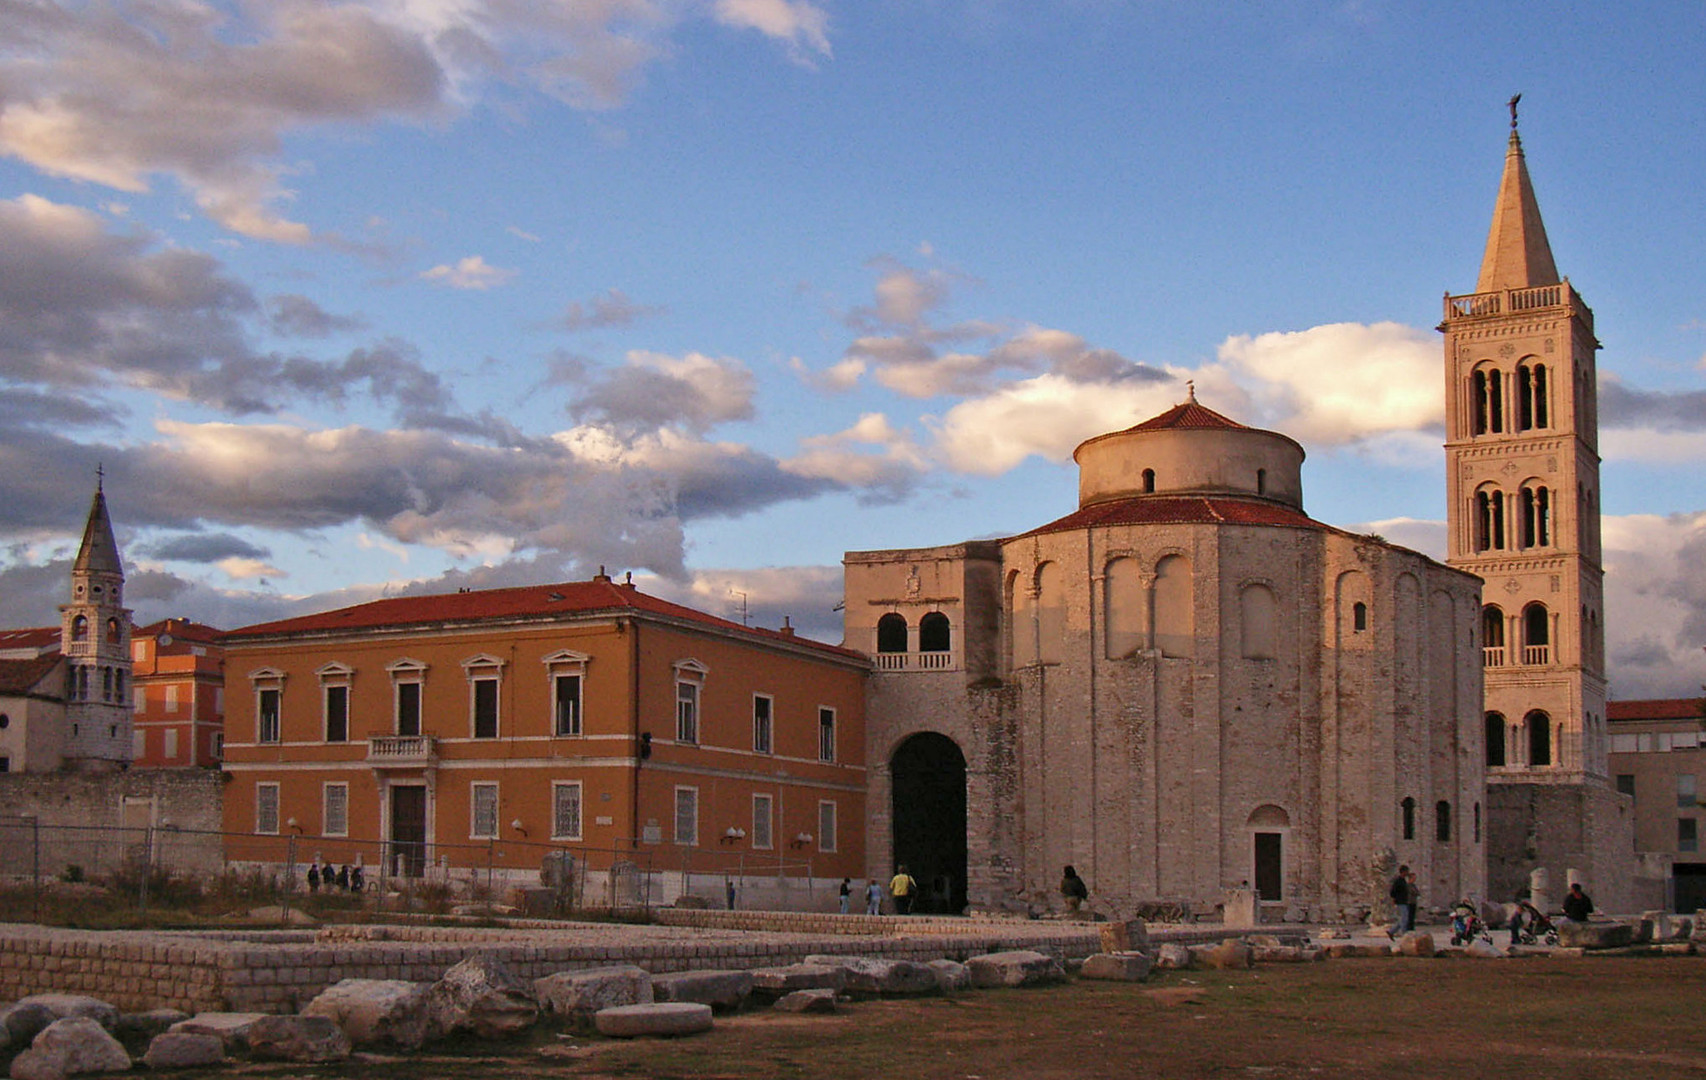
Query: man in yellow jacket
x=903, y=889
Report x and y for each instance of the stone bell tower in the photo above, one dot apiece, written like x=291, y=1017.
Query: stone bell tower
x=95, y=638
x=1522, y=482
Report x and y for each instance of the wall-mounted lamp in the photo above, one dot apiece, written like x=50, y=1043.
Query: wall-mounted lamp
x=518, y=827
x=291, y=823
x=733, y=835
x=802, y=839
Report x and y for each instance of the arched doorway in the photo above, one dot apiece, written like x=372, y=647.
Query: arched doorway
x=928, y=775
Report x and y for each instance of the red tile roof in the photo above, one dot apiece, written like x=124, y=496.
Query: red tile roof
x=1181, y=510
x=1189, y=415
x=37, y=637
x=574, y=598
x=181, y=630
x=1657, y=709
x=19, y=677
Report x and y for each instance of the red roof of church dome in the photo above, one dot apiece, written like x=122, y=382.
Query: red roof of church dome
x=1188, y=415
x=1181, y=510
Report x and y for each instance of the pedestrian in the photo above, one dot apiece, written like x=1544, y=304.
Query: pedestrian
x=1400, y=894
x=343, y=877
x=1073, y=888
x=1577, y=904
x=874, y=898
x=356, y=878
x=1412, y=899
x=313, y=877
x=846, y=894
x=902, y=887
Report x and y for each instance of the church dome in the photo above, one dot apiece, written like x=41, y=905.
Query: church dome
x=1190, y=450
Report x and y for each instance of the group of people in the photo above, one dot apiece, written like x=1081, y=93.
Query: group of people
x=1525, y=923
x=903, y=887
x=346, y=878
x=1406, y=896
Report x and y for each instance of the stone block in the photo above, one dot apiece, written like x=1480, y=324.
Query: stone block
x=232, y=1028
x=142, y=1027
x=1020, y=967
x=577, y=995
x=807, y=1001
x=1676, y=948
x=1483, y=950
x=1350, y=950
x=1416, y=943
x=724, y=991
x=1116, y=967
x=74, y=1046
x=663, y=1018
x=1594, y=935
x=376, y=1012
x=1230, y=955
x=773, y=982
x=873, y=975
x=183, y=1050
x=66, y=1006
x=482, y=997
x=298, y=1038
x=950, y=975
x=1129, y=935
x=1172, y=956
x=22, y=1021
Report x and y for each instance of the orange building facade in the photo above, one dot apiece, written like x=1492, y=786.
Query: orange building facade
x=178, y=695
x=483, y=730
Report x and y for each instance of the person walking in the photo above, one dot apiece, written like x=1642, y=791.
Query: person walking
x=1399, y=891
x=903, y=888
x=846, y=894
x=1412, y=899
x=874, y=898
x=1072, y=887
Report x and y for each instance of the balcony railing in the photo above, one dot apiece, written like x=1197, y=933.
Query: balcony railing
x=1493, y=656
x=401, y=750
x=1537, y=654
x=917, y=661
x=1475, y=305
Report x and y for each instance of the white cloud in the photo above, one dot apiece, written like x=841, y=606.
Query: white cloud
x=241, y=569
x=1655, y=603
x=521, y=234
x=891, y=469
x=1657, y=447
x=472, y=272
x=806, y=596
x=799, y=23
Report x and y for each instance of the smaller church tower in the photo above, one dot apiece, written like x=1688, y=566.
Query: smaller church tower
x=95, y=638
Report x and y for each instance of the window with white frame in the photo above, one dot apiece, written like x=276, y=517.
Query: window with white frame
x=266, y=808
x=483, y=815
x=216, y=745
x=763, y=707
x=171, y=697
x=763, y=816
x=826, y=825
x=171, y=751
x=484, y=673
x=268, y=705
x=335, y=821
x=334, y=700
x=566, y=670
x=408, y=680
x=825, y=734
x=566, y=810
x=689, y=686
x=687, y=816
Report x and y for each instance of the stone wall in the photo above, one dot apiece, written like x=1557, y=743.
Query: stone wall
x=99, y=823
x=1560, y=827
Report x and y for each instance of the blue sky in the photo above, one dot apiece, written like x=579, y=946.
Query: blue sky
x=415, y=294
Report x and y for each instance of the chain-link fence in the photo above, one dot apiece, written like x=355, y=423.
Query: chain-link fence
x=166, y=868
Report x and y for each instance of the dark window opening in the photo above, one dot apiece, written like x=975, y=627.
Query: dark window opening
x=485, y=708
x=1359, y=616
x=337, y=713
x=1495, y=739
x=933, y=635
x=891, y=633
x=1539, y=738
x=268, y=707
x=1149, y=481
x=1442, y=822
x=409, y=708
x=1409, y=808
x=1626, y=784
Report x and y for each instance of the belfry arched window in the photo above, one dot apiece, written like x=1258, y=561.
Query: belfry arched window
x=1536, y=634
x=1489, y=519
x=80, y=628
x=1539, y=738
x=1149, y=481
x=1531, y=393
x=933, y=633
x=1535, y=502
x=1495, y=739
x=891, y=633
x=1492, y=636
x=1487, y=393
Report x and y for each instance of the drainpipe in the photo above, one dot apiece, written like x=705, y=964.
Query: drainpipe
x=634, y=706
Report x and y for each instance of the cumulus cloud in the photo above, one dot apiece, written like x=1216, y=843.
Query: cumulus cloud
x=469, y=272
x=1655, y=604
x=886, y=473
x=652, y=390
x=800, y=24
x=294, y=315
x=609, y=309
x=202, y=548
x=807, y=597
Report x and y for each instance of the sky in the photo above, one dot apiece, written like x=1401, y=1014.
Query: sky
x=354, y=299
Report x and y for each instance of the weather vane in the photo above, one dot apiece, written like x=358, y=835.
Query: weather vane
x=1514, y=99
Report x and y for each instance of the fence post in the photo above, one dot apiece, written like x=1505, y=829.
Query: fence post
x=147, y=868
x=35, y=867
x=289, y=880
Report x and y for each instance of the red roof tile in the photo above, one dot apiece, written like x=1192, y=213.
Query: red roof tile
x=181, y=630
x=1180, y=510
x=19, y=677
x=575, y=598
x=36, y=637
x=1657, y=709
x=1188, y=415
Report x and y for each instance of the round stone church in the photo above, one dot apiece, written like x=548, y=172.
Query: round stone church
x=1184, y=687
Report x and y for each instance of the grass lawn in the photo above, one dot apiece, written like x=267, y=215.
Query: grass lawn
x=1400, y=1019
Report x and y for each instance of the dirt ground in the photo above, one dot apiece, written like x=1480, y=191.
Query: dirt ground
x=1400, y=1019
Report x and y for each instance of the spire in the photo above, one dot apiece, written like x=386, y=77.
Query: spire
x=1518, y=255
x=99, y=553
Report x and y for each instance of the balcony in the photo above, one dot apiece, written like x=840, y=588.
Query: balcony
x=917, y=661
x=1493, y=656
x=1537, y=654
x=1477, y=305
x=402, y=751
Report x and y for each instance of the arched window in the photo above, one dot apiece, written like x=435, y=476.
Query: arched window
x=1359, y=616
x=1495, y=740
x=1051, y=614
x=113, y=634
x=80, y=628
x=1149, y=481
x=1530, y=396
x=1258, y=622
x=933, y=633
x=1175, y=618
x=1021, y=625
x=1124, y=605
x=891, y=633
x=1536, y=504
x=1442, y=822
x=1539, y=738
x=1536, y=634
x=1489, y=519
x=1487, y=390
x=1492, y=636
x=1261, y=481
x=1408, y=807
x=1477, y=823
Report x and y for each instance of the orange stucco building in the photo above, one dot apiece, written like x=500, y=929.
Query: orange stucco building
x=487, y=728
x=178, y=695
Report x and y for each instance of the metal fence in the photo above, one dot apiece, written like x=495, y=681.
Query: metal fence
x=166, y=866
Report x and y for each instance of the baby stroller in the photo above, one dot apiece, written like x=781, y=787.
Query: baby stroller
x=1466, y=925
x=1529, y=926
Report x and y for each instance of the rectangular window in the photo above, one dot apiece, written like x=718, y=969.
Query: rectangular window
x=118, y=684
x=216, y=745
x=687, y=815
x=566, y=704
x=826, y=734
x=762, y=706
x=171, y=744
x=1685, y=797
x=408, y=708
x=219, y=700
x=138, y=743
x=762, y=814
x=1687, y=835
x=1663, y=744
x=1626, y=784
x=266, y=808
x=267, y=708
x=566, y=810
x=484, y=799
x=485, y=708
x=1623, y=744
x=5, y=764
x=336, y=819
x=139, y=699
x=171, y=698
x=337, y=713
x=687, y=712
x=826, y=826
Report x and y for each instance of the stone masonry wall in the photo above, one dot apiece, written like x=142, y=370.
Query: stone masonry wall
x=83, y=820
